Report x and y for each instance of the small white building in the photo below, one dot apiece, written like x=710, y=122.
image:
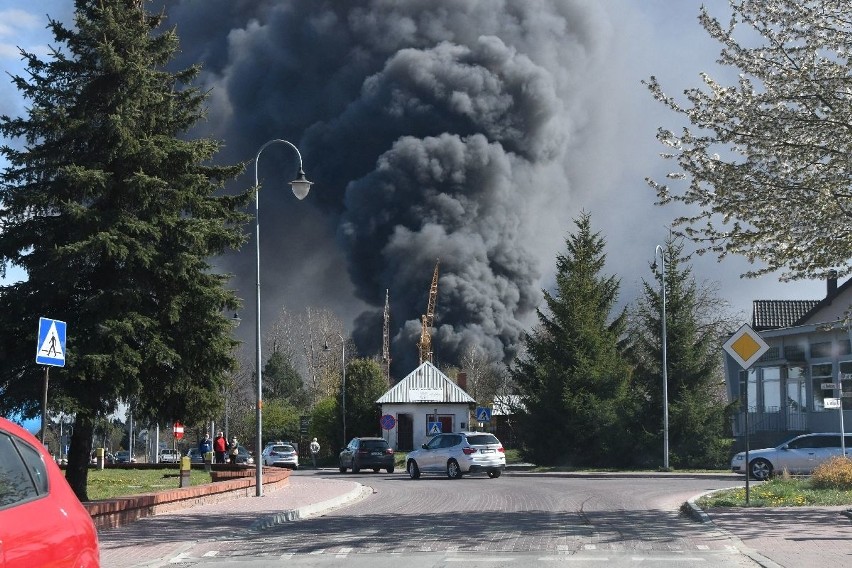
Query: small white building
x=422, y=404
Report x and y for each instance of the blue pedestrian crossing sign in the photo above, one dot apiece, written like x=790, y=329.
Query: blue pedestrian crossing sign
x=50, y=349
x=433, y=428
x=483, y=414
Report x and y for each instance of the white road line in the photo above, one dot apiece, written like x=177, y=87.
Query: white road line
x=210, y=553
x=570, y=558
x=678, y=559
x=703, y=547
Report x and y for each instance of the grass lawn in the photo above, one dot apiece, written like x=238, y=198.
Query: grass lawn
x=108, y=483
x=777, y=492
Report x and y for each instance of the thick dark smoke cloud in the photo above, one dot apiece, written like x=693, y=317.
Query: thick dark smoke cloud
x=433, y=129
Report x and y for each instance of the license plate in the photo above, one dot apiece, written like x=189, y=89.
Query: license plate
x=487, y=451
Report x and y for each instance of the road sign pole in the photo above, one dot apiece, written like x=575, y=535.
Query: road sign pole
x=44, y=405
x=840, y=410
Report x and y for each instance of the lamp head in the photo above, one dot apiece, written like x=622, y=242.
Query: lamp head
x=301, y=186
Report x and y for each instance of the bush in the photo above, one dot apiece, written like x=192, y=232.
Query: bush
x=835, y=473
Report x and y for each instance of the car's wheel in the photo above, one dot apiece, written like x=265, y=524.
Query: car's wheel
x=355, y=469
x=413, y=470
x=376, y=469
x=389, y=470
x=453, y=470
x=494, y=473
x=760, y=469
x=342, y=469
x=295, y=467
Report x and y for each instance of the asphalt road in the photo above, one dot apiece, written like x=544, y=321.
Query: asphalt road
x=514, y=520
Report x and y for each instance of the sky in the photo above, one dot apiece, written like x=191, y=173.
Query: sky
x=472, y=134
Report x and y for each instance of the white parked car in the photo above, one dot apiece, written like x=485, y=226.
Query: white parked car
x=169, y=455
x=801, y=455
x=457, y=454
x=282, y=455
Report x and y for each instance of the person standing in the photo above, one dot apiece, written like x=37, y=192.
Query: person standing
x=234, y=450
x=315, y=448
x=220, y=447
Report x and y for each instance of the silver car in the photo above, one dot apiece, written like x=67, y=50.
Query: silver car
x=457, y=454
x=801, y=455
x=282, y=455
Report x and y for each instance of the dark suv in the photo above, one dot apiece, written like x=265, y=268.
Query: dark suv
x=367, y=453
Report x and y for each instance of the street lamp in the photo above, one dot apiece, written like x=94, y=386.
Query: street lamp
x=301, y=187
x=659, y=250
x=343, y=391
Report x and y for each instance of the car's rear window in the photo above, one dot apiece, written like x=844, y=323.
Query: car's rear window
x=283, y=449
x=374, y=444
x=482, y=440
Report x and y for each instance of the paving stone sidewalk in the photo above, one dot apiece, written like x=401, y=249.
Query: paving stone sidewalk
x=153, y=540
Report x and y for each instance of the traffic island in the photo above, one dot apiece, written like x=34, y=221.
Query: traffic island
x=111, y=513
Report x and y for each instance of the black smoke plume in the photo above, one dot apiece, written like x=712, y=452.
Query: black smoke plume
x=433, y=129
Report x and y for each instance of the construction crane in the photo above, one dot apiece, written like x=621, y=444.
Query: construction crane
x=427, y=319
x=386, y=358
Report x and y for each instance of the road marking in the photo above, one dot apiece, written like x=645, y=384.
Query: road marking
x=703, y=547
x=286, y=555
x=179, y=558
x=344, y=552
x=570, y=558
x=590, y=546
x=211, y=553
x=466, y=559
x=667, y=559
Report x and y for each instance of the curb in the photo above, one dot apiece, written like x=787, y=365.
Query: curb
x=360, y=492
x=691, y=509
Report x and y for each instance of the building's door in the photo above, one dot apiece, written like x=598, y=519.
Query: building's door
x=404, y=433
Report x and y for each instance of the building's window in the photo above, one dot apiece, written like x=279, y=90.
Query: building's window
x=771, y=389
x=748, y=389
x=772, y=354
x=794, y=353
x=821, y=374
x=797, y=400
x=821, y=350
x=843, y=347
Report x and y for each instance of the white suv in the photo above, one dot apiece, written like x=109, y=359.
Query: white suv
x=458, y=453
x=802, y=454
x=168, y=455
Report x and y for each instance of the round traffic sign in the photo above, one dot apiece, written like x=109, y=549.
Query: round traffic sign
x=178, y=430
x=387, y=422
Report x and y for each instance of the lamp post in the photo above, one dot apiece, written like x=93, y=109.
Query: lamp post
x=343, y=391
x=301, y=186
x=659, y=250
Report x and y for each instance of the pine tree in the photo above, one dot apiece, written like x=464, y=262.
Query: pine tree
x=113, y=215
x=281, y=380
x=572, y=379
x=365, y=383
x=695, y=322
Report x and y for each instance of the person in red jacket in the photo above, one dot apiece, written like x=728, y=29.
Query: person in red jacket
x=220, y=447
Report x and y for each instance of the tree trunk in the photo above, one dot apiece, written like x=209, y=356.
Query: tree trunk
x=77, y=471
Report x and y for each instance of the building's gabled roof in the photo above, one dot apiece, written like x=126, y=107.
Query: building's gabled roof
x=425, y=384
x=774, y=314
x=779, y=314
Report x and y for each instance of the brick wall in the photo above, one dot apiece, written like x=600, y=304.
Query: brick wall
x=110, y=513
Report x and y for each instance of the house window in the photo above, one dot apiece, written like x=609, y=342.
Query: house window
x=797, y=400
x=771, y=389
x=821, y=350
x=843, y=347
x=794, y=353
x=821, y=374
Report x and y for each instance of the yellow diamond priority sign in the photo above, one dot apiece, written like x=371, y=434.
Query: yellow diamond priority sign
x=745, y=346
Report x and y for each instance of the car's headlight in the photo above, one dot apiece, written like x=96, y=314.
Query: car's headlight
x=739, y=457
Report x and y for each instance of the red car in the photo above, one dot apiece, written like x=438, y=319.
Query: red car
x=42, y=523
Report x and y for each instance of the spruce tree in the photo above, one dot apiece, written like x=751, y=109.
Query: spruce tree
x=572, y=378
x=113, y=213
x=695, y=322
